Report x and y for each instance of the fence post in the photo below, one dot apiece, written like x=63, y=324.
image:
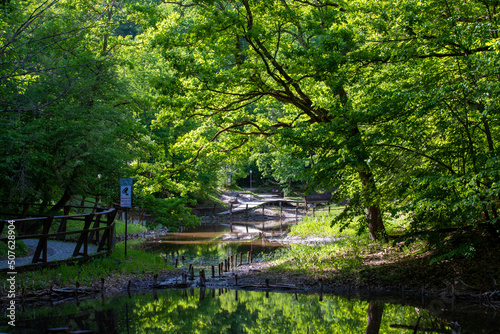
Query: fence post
x=62, y=226
x=96, y=225
x=41, y=249
x=108, y=237
x=84, y=240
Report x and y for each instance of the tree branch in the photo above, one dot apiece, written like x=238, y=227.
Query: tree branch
x=417, y=153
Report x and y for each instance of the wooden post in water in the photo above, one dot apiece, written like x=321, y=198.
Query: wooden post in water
x=155, y=280
x=236, y=279
x=202, y=277
x=213, y=271
x=191, y=272
x=246, y=213
x=320, y=289
x=241, y=259
x=202, y=294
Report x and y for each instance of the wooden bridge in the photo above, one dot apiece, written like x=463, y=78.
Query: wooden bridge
x=250, y=205
x=272, y=199
x=96, y=227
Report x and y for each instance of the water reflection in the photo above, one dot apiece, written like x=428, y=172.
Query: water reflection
x=210, y=244
x=232, y=311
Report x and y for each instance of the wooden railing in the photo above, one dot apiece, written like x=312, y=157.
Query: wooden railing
x=317, y=198
x=91, y=231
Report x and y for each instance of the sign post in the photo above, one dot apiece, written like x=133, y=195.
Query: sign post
x=126, y=202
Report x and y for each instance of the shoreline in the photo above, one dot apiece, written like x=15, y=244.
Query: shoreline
x=257, y=277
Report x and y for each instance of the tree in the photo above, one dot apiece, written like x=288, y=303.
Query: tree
x=434, y=81
x=234, y=62
x=62, y=121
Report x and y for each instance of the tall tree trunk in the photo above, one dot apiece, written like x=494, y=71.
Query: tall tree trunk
x=370, y=194
x=376, y=227
x=374, y=315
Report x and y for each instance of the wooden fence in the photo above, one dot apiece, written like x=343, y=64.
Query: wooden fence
x=97, y=227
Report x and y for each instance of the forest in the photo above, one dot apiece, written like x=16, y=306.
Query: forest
x=391, y=105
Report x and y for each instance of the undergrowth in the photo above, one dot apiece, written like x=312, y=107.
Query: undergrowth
x=350, y=251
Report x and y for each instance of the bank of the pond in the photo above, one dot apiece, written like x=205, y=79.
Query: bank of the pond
x=388, y=272
x=383, y=272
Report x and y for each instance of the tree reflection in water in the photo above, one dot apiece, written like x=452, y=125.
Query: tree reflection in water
x=230, y=311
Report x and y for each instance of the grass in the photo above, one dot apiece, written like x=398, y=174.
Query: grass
x=137, y=262
x=350, y=253
x=131, y=228
x=76, y=225
x=318, y=226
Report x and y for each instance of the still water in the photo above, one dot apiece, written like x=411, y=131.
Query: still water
x=232, y=311
x=238, y=311
x=210, y=244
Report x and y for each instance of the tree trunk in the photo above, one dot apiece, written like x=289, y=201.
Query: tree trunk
x=376, y=227
x=62, y=202
x=374, y=315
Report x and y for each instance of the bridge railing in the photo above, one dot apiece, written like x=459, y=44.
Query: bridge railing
x=97, y=228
